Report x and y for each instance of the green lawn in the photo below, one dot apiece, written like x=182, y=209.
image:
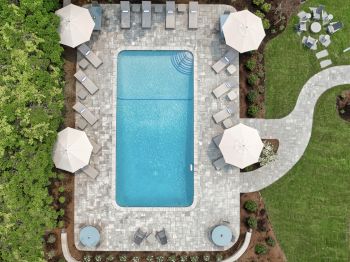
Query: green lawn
x=289, y=65
x=309, y=207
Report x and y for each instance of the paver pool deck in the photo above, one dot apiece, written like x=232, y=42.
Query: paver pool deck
x=216, y=193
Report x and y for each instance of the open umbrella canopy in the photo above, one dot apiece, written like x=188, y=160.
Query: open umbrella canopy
x=243, y=31
x=72, y=150
x=76, y=25
x=241, y=146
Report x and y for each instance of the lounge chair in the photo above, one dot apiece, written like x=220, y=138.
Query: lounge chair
x=90, y=171
x=85, y=113
x=219, y=163
x=322, y=54
x=86, y=82
x=224, y=61
x=223, y=114
x=193, y=15
x=146, y=14
x=161, y=237
x=125, y=14
x=139, y=236
x=223, y=88
x=217, y=140
x=89, y=55
x=334, y=27
x=170, y=15
x=325, y=63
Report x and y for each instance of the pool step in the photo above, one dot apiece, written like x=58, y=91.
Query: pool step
x=183, y=62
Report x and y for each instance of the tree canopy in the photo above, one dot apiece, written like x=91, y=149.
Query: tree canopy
x=31, y=102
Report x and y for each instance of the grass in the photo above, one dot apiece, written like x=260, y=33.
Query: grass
x=309, y=206
x=289, y=64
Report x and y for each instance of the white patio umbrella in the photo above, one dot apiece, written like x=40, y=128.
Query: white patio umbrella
x=241, y=146
x=72, y=150
x=76, y=25
x=243, y=31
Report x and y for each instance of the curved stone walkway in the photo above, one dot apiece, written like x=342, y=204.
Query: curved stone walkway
x=242, y=249
x=65, y=249
x=292, y=131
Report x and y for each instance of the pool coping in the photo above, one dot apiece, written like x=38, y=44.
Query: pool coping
x=196, y=179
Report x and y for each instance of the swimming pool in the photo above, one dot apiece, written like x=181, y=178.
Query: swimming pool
x=155, y=128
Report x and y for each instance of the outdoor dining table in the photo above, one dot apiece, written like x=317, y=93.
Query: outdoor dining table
x=316, y=27
x=89, y=236
x=221, y=235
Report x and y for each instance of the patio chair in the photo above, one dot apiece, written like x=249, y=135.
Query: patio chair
x=223, y=88
x=139, y=236
x=170, y=14
x=310, y=42
x=146, y=14
x=301, y=27
x=89, y=55
x=161, y=237
x=303, y=16
x=224, y=61
x=86, y=82
x=90, y=171
x=217, y=139
x=322, y=54
x=219, y=163
x=325, y=40
x=325, y=63
x=85, y=113
x=317, y=12
x=327, y=19
x=125, y=14
x=334, y=27
x=223, y=114
x=193, y=15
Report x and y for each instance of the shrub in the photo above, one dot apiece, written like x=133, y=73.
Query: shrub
x=260, y=249
x=282, y=27
x=250, y=206
x=60, y=224
x=150, y=258
x=250, y=64
x=183, y=258
x=61, y=259
x=51, y=239
x=98, y=258
x=206, y=258
x=110, y=258
x=259, y=14
x=266, y=7
x=61, y=189
x=51, y=254
x=160, y=259
x=253, y=110
x=219, y=257
x=267, y=154
x=87, y=258
x=194, y=258
x=251, y=222
x=123, y=258
x=266, y=23
x=172, y=258
x=135, y=259
x=261, y=89
x=273, y=31
x=270, y=241
x=258, y=2
x=252, y=96
x=62, y=199
x=262, y=225
x=61, y=176
x=253, y=79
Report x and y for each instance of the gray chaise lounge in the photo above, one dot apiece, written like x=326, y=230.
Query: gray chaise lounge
x=85, y=113
x=223, y=114
x=223, y=88
x=86, y=82
x=161, y=237
x=170, y=15
x=125, y=14
x=89, y=55
x=193, y=15
x=139, y=236
x=146, y=14
x=90, y=171
x=219, y=163
x=224, y=61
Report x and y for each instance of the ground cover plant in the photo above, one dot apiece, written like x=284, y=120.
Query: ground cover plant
x=308, y=207
x=30, y=107
x=289, y=64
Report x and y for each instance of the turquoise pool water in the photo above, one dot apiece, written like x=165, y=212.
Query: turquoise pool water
x=154, y=154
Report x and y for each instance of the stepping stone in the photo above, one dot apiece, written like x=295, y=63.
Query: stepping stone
x=322, y=54
x=325, y=63
x=82, y=94
x=81, y=124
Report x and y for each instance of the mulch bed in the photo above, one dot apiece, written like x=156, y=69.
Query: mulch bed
x=275, y=253
x=343, y=105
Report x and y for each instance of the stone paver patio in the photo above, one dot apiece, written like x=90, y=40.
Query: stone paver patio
x=216, y=193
